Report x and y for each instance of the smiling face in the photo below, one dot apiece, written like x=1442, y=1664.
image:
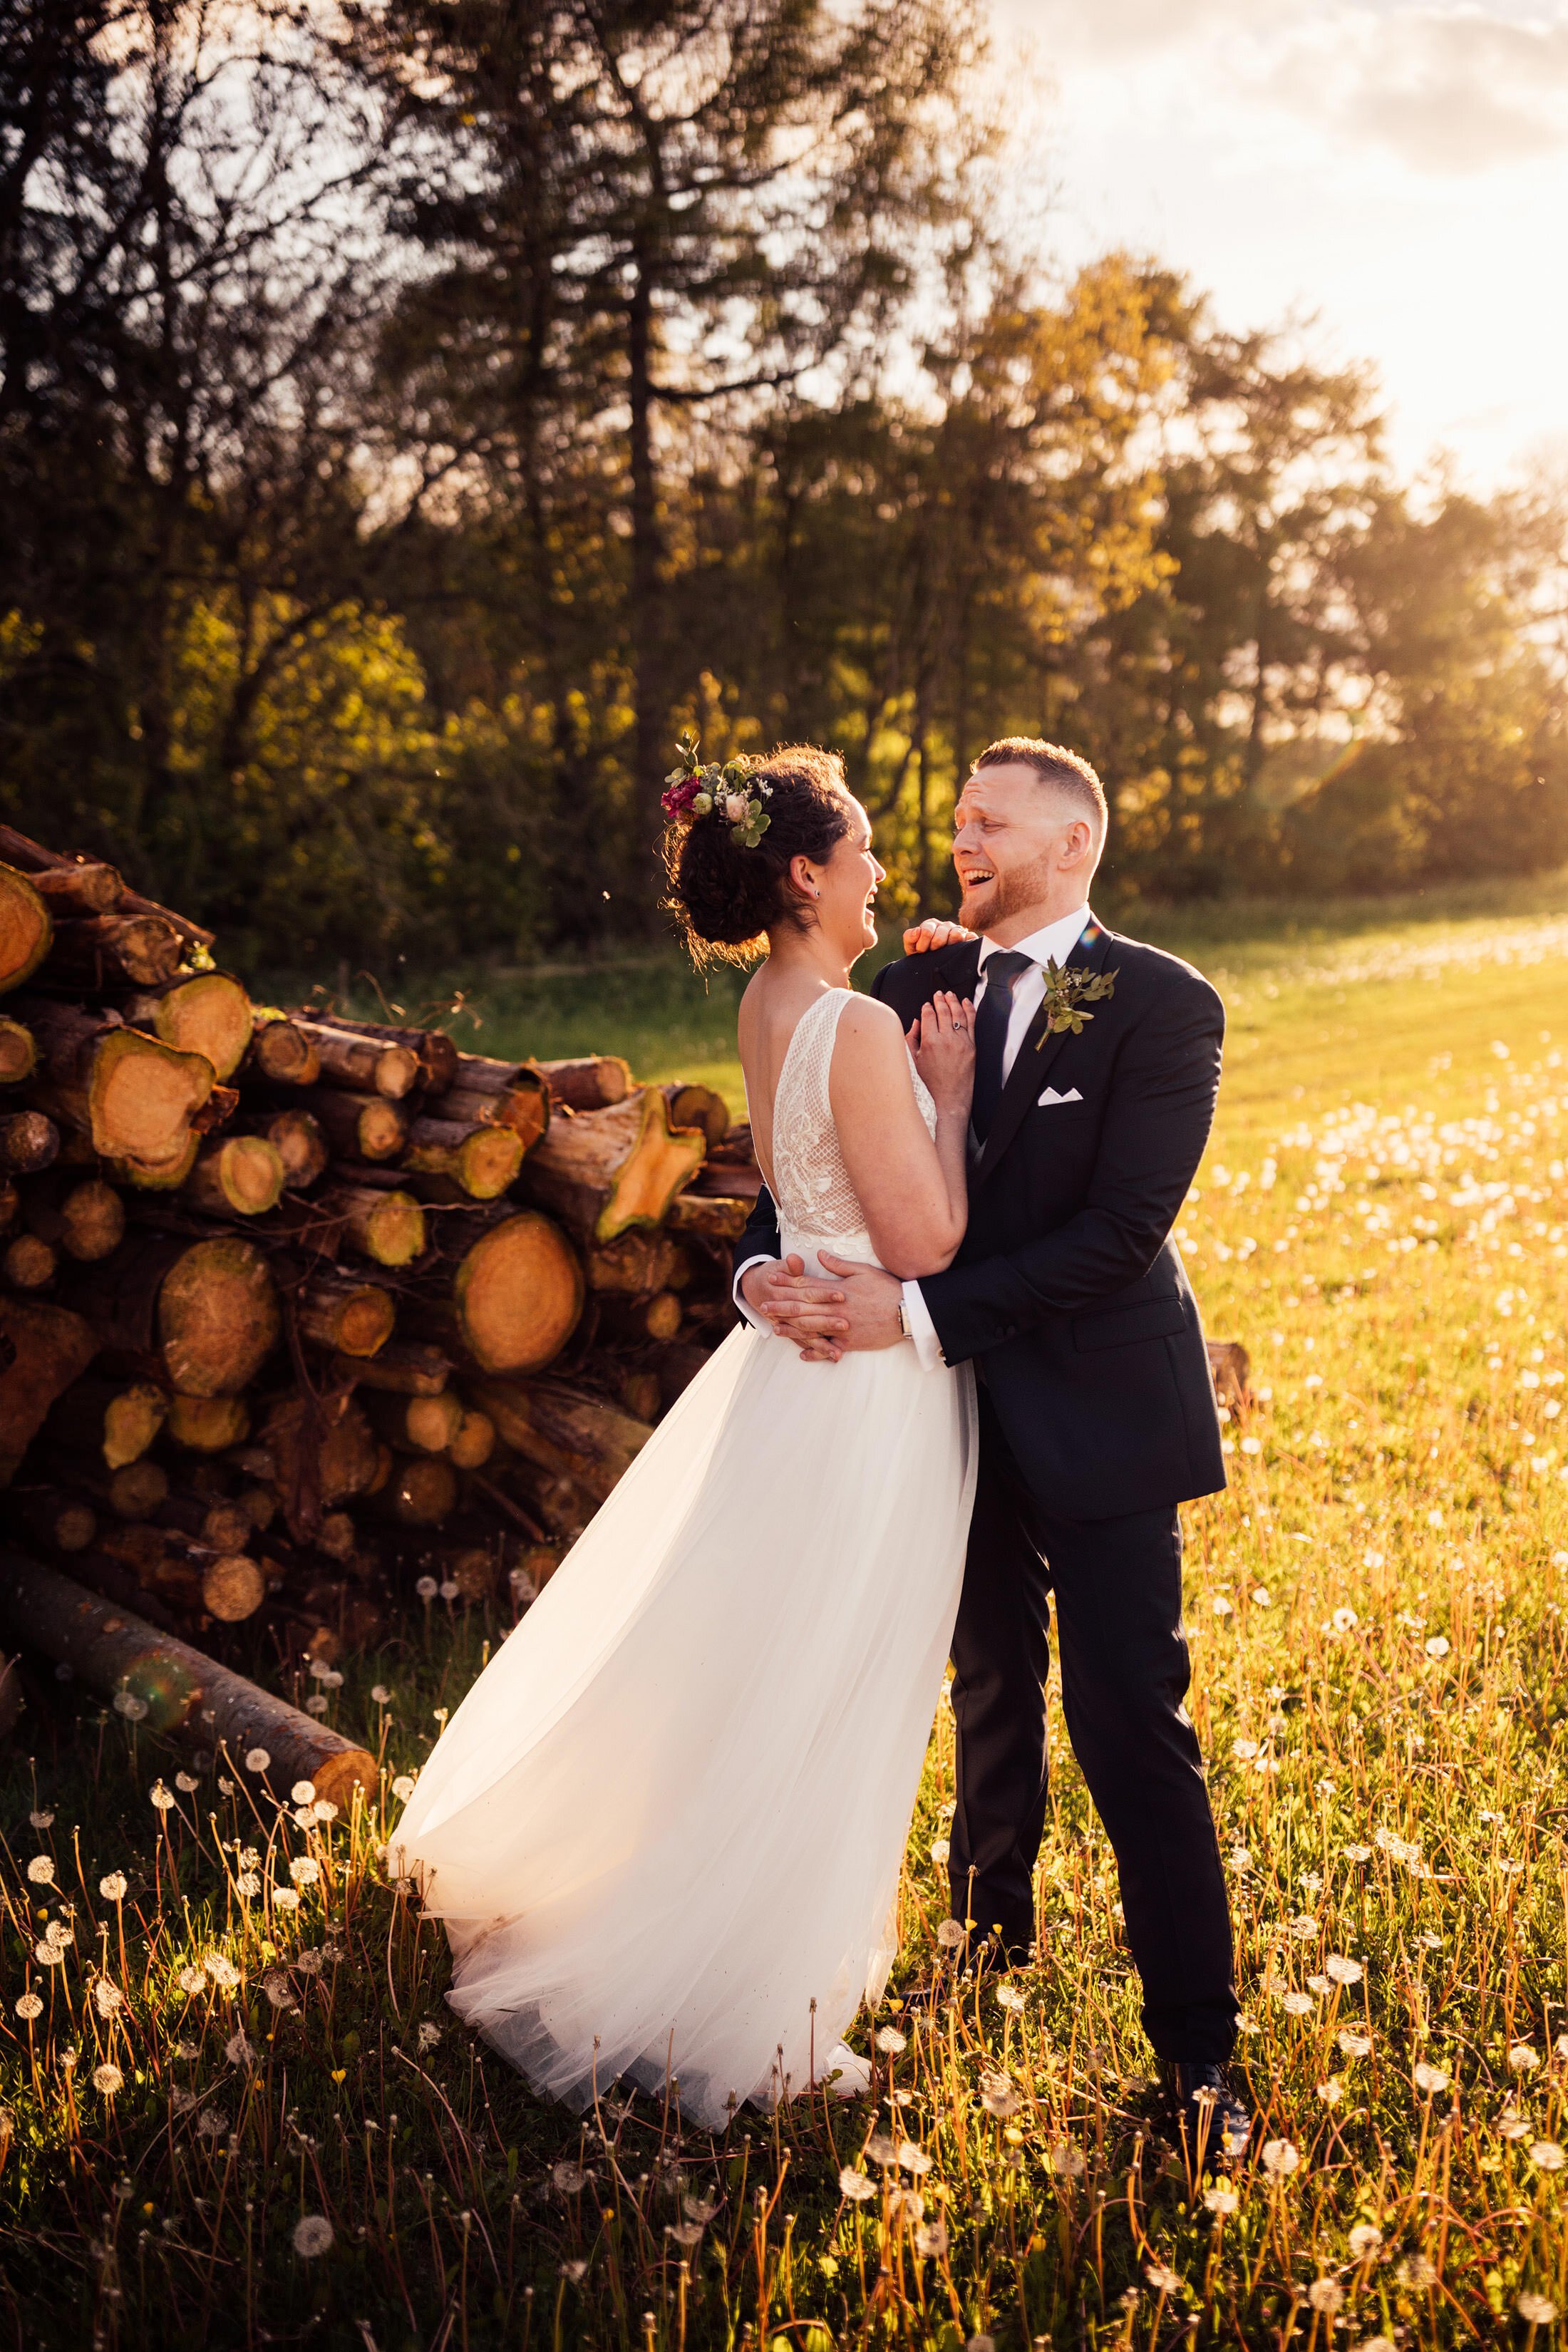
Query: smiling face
x=1024, y=851
x=841, y=889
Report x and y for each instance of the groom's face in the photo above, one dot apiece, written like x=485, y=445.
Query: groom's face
x=1008, y=832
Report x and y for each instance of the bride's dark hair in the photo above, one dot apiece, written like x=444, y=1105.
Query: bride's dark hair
x=724, y=895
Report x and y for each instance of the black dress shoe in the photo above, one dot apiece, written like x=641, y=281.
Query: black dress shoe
x=1210, y=2117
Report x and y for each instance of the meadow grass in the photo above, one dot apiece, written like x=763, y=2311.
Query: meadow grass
x=1380, y=1682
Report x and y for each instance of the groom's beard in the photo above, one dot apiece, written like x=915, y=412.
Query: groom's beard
x=1009, y=894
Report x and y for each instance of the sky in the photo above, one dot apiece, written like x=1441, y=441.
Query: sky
x=1398, y=171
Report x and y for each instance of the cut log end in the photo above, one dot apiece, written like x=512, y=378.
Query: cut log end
x=92, y=1221
x=284, y=1052
x=518, y=1294
x=204, y=1012
x=28, y=1262
x=27, y=931
x=208, y=1424
x=218, y=1317
x=18, y=1052
x=233, y=1587
x=241, y=1176
x=388, y=1227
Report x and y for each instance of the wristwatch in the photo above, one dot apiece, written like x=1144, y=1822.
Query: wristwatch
x=904, y=1316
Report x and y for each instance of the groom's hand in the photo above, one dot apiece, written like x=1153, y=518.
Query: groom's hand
x=869, y=1316
x=933, y=933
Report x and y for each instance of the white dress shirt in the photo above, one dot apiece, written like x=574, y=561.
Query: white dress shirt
x=1054, y=942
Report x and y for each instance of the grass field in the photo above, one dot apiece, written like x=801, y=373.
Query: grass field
x=294, y=2143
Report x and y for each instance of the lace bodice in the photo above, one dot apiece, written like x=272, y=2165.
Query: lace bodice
x=812, y=1188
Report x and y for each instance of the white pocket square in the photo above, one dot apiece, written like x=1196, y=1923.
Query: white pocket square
x=1051, y=1096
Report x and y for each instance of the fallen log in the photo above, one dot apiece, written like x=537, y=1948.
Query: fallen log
x=607, y=1170
x=113, y=1650
x=27, y=931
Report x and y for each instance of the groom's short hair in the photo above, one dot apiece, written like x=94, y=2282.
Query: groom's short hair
x=1054, y=764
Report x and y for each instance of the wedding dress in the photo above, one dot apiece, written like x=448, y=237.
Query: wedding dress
x=665, y=1827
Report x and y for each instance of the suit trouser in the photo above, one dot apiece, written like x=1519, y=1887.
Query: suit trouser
x=1117, y=1585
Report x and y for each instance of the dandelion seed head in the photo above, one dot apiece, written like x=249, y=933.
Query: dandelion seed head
x=429, y=2035
x=1354, y=2045
x=1345, y=1619
x=312, y=2236
x=1428, y=2078
x=108, y=2079
x=856, y=2185
x=402, y=1787
x=1523, y=2059
x=188, y=1784
x=950, y=1935
x=381, y=1695
x=931, y=2239
x=40, y=1821
x=890, y=2039
x=569, y=2178
x=1437, y=1646
x=1009, y=1997
x=285, y=1899
x=28, y=2007
x=1365, y=2239
x=304, y=1870
x=1162, y=2278
x=1546, y=2156
x=1325, y=2295
x=41, y=1870
x=106, y=1997
x=160, y=1797
x=1280, y=2158
x=256, y=1760
x=127, y=1704
x=1340, y=1971
x=1538, y=2310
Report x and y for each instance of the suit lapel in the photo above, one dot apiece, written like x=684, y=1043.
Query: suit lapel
x=1036, y=1055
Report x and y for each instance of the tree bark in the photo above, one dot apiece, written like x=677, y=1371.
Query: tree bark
x=284, y=1051
x=564, y=1429
x=482, y=1160
x=28, y=1142
x=239, y=1175
x=699, y=1106
x=591, y=1082
x=111, y=1649
x=18, y=1052
x=367, y=1127
x=336, y=1311
x=388, y=1227
x=135, y=1097
x=367, y=1063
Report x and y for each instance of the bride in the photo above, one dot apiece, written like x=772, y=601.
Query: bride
x=665, y=1827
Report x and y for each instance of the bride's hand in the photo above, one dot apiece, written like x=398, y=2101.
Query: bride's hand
x=942, y=1043
x=934, y=932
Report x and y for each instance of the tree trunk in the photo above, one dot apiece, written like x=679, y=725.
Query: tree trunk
x=607, y=1170
x=18, y=1052
x=134, y=1096
x=26, y=928
x=365, y=1126
x=297, y=1137
x=592, y=1082
x=239, y=1175
x=515, y=1300
x=112, y=1650
x=102, y=951
x=43, y=1349
x=699, y=1106
x=564, y=1429
x=208, y=1424
x=482, y=1161
x=199, y=1012
x=28, y=1262
x=388, y=1227
x=112, y=1422
x=28, y=1142
x=649, y=698
x=336, y=1311
x=368, y=1065
x=284, y=1051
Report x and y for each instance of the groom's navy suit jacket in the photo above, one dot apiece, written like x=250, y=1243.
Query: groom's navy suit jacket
x=1067, y=1289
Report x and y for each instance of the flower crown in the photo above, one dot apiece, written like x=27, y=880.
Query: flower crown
x=726, y=790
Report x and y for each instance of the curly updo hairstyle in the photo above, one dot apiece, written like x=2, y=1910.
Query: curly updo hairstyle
x=725, y=896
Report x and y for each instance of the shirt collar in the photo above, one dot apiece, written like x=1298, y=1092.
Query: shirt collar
x=1054, y=942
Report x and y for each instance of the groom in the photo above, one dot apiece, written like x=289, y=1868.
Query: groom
x=1096, y=1407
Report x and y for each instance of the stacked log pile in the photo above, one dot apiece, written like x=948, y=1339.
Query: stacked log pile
x=297, y=1311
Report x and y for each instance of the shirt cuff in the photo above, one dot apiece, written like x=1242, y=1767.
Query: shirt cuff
x=757, y=1322
x=923, y=1330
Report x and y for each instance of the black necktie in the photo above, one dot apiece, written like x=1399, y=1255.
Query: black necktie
x=1000, y=973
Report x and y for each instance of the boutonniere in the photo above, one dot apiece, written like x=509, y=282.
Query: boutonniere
x=1068, y=988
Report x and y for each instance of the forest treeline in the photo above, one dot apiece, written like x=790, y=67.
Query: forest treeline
x=414, y=412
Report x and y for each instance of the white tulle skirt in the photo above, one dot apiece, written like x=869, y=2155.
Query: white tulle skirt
x=665, y=1827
